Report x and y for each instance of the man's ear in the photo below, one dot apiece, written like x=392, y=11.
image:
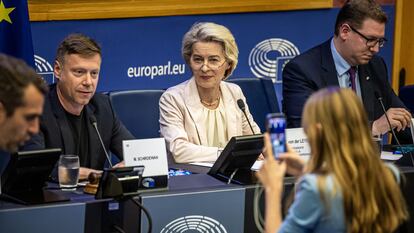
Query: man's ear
x=2, y=112
x=57, y=69
x=344, y=31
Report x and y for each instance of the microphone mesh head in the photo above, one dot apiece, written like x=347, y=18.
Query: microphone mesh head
x=241, y=105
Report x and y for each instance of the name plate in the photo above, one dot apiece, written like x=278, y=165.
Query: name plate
x=151, y=153
x=296, y=138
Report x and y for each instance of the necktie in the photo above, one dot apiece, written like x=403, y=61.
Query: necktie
x=352, y=72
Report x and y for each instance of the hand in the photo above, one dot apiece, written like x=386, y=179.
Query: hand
x=400, y=118
x=260, y=158
x=272, y=172
x=120, y=164
x=84, y=172
x=295, y=165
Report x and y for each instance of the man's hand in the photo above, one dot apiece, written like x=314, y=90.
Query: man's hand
x=399, y=118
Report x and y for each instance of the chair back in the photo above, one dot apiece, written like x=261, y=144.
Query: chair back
x=139, y=111
x=260, y=96
x=407, y=96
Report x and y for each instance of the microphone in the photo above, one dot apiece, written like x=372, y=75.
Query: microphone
x=92, y=119
x=242, y=107
x=379, y=97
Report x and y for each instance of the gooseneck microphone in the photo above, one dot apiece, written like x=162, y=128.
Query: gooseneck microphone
x=92, y=119
x=242, y=107
x=379, y=97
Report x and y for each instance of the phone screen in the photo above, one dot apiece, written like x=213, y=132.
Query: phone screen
x=276, y=125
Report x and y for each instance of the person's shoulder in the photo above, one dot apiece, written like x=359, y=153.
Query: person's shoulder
x=100, y=98
x=377, y=61
x=231, y=86
x=175, y=91
x=310, y=182
x=311, y=55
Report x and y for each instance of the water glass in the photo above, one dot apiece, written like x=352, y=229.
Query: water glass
x=68, y=172
x=378, y=143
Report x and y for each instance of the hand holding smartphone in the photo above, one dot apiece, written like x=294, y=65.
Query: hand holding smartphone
x=276, y=125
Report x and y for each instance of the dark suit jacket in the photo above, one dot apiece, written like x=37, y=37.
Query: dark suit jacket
x=315, y=69
x=55, y=131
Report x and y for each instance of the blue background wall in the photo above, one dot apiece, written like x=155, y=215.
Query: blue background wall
x=156, y=41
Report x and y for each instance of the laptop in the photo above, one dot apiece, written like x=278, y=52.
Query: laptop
x=26, y=175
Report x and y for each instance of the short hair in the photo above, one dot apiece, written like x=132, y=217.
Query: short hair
x=77, y=44
x=354, y=12
x=15, y=77
x=211, y=32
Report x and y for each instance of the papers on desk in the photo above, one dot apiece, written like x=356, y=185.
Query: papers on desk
x=257, y=165
x=387, y=155
x=203, y=164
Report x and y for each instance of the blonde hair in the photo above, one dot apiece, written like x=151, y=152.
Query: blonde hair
x=211, y=32
x=342, y=146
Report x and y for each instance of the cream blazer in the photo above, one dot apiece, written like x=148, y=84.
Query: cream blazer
x=181, y=116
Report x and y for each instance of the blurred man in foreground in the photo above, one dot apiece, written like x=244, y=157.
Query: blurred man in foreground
x=21, y=104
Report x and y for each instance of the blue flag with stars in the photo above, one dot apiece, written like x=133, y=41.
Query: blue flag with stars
x=15, y=31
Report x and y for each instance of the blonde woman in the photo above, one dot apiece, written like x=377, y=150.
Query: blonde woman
x=344, y=187
x=199, y=116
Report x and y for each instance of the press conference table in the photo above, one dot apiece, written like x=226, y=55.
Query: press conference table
x=196, y=201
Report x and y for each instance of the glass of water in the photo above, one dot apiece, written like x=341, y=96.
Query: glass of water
x=68, y=172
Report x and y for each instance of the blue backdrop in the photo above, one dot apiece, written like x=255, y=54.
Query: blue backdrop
x=144, y=53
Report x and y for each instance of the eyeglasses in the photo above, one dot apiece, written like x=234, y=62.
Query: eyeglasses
x=214, y=63
x=371, y=42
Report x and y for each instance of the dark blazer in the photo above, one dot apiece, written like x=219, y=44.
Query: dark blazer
x=55, y=131
x=315, y=69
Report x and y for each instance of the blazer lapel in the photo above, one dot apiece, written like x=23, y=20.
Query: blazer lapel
x=231, y=111
x=62, y=122
x=367, y=88
x=328, y=72
x=194, y=107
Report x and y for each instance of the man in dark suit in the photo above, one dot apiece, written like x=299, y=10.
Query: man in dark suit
x=347, y=60
x=72, y=106
x=21, y=104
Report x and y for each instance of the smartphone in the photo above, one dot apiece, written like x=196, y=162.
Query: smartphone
x=276, y=125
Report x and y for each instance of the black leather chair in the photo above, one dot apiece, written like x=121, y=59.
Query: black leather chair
x=139, y=111
x=260, y=96
x=407, y=96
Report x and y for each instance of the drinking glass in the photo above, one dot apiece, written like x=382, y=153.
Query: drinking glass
x=68, y=172
x=378, y=142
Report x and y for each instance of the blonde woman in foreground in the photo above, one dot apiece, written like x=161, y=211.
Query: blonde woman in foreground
x=344, y=187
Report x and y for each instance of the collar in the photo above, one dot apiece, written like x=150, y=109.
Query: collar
x=341, y=65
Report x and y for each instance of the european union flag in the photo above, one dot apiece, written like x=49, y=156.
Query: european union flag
x=15, y=31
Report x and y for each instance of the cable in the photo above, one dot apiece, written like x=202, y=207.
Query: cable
x=146, y=212
x=258, y=218
x=232, y=175
x=118, y=229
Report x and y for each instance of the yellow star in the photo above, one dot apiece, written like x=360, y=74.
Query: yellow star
x=4, y=12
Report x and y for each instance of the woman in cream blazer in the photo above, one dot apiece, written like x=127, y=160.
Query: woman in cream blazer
x=200, y=115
